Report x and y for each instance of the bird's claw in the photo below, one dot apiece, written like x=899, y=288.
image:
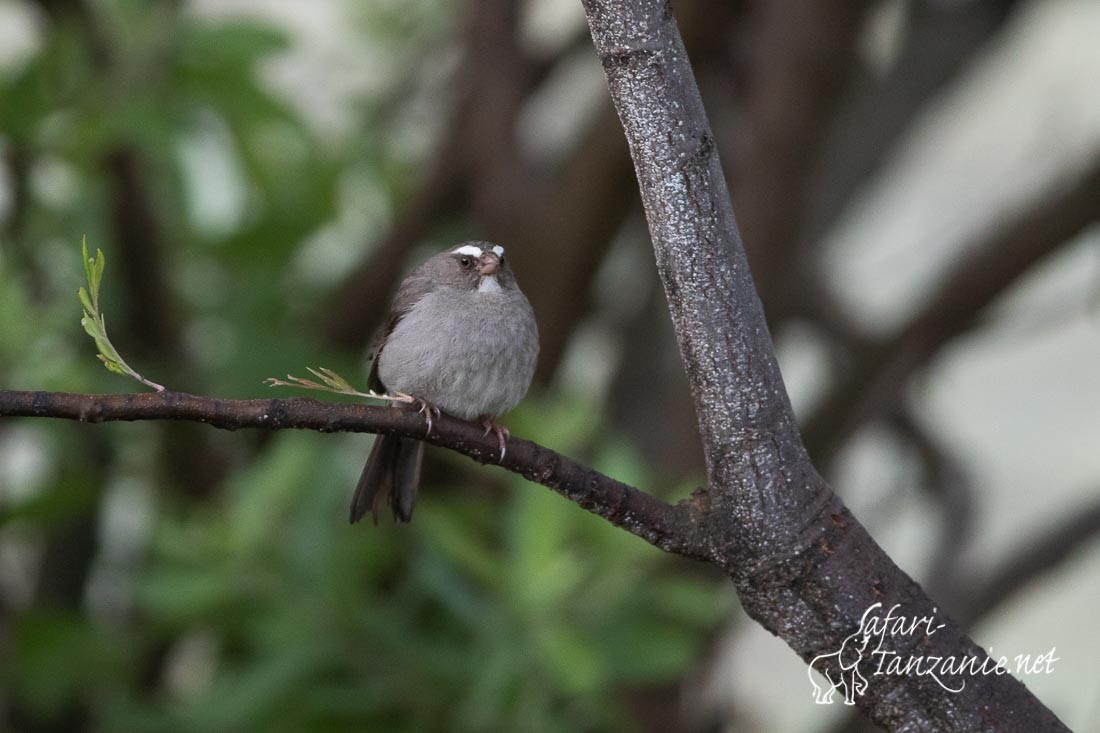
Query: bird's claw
x=423, y=407
x=427, y=409
x=500, y=431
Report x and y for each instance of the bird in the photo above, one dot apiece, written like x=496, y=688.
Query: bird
x=460, y=338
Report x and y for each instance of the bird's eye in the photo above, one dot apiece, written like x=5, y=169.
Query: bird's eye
x=466, y=261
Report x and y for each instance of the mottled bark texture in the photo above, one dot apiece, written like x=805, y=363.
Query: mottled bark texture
x=803, y=566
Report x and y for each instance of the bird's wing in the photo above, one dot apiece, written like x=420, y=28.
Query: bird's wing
x=409, y=293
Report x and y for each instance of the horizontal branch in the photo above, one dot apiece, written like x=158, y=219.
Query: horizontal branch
x=669, y=527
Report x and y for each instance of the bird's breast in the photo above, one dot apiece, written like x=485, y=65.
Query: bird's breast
x=471, y=354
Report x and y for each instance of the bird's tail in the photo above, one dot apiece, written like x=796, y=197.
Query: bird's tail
x=393, y=472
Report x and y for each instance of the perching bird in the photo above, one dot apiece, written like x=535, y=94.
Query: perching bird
x=460, y=337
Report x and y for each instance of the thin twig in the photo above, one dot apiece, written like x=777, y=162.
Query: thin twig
x=333, y=383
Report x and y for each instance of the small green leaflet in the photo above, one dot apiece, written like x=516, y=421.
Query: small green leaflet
x=94, y=322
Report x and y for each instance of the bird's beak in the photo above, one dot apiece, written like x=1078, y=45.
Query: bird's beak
x=488, y=264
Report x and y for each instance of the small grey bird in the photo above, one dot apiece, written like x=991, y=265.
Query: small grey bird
x=460, y=337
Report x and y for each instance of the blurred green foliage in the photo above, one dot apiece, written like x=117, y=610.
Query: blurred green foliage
x=255, y=606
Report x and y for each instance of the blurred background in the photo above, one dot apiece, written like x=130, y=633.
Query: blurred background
x=917, y=183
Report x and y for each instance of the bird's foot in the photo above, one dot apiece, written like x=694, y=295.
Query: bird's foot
x=423, y=407
x=427, y=409
x=500, y=431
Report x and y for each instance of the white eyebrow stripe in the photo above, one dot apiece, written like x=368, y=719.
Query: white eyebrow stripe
x=498, y=250
x=468, y=249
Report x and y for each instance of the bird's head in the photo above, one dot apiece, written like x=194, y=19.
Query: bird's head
x=479, y=266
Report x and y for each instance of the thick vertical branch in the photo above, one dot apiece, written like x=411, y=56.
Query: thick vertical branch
x=747, y=426
x=803, y=566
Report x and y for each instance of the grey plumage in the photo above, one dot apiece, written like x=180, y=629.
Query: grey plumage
x=392, y=470
x=460, y=336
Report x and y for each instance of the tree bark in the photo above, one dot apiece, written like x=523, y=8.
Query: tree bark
x=803, y=566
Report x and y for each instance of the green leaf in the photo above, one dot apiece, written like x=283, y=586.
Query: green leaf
x=91, y=326
x=94, y=322
x=93, y=270
x=88, y=267
x=114, y=366
x=100, y=264
x=86, y=302
x=106, y=351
